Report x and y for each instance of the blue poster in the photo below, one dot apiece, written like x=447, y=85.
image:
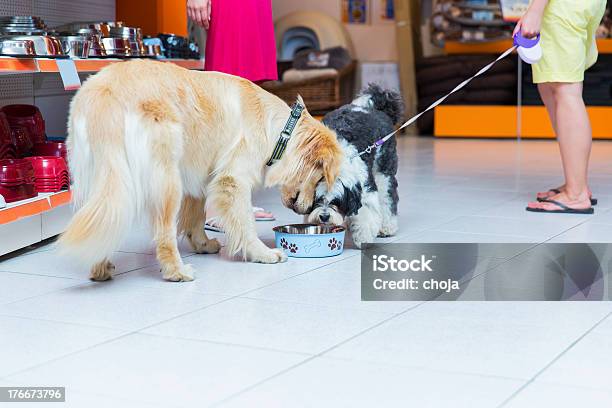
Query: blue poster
x=356, y=11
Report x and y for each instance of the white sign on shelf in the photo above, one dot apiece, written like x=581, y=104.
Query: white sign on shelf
x=69, y=74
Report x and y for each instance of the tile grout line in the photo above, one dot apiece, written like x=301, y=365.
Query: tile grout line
x=553, y=361
x=80, y=283
x=139, y=330
x=320, y=354
x=43, y=276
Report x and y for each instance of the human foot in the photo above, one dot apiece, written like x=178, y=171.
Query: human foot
x=545, y=195
x=562, y=204
x=262, y=214
x=214, y=223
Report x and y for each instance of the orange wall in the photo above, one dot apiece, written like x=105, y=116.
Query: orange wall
x=154, y=16
x=172, y=16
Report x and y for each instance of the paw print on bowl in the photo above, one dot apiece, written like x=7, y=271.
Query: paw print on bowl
x=284, y=243
x=334, y=244
x=293, y=248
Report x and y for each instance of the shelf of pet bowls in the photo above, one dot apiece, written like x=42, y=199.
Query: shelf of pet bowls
x=28, y=45
x=29, y=164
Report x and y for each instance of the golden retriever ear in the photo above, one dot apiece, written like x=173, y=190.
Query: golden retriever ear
x=300, y=100
x=330, y=157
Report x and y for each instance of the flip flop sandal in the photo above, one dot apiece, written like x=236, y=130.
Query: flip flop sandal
x=213, y=224
x=262, y=215
x=594, y=201
x=564, y=209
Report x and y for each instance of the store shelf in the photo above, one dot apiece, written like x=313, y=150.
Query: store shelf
x=487, y=121
x=34, y=206
x=30, y=221
x=10, y=65
x=497, y=47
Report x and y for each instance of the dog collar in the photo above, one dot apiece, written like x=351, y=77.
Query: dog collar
x=281, y=143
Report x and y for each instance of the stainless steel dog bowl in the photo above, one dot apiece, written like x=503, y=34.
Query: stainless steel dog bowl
x=23, y=31
x=119, y=47
x=310, y=240
x=17, y=48
x=125, y=32
x=45, y=46
x=22, y=25
x=153, y=50
x=75, y=46
x=103, y=27
x=137, y=48
x=20, y=19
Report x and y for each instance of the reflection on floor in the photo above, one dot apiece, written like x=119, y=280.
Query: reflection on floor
x=297, y=334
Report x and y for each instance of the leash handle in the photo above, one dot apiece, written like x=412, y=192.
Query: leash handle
x=525, y=42
x=380, y=142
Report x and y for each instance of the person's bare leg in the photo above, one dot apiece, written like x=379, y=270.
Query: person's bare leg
x=575, y=140
x=548, y=97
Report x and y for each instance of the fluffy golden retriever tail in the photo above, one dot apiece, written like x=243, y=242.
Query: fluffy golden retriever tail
x=102, y=181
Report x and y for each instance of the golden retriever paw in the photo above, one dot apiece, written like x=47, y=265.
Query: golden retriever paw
x=268, y=256
x=184, y=273
x=102, y=272
x=211, y=246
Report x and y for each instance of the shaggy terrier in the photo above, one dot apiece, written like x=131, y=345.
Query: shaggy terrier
x=364, y=195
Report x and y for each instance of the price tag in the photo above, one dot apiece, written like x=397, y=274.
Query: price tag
x=69, y=74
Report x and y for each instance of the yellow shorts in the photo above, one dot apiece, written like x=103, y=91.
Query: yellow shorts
x=568, y=40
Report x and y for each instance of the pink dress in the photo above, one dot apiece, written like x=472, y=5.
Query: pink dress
x=241, y=39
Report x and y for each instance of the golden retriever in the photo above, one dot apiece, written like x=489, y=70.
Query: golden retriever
x=155, y=140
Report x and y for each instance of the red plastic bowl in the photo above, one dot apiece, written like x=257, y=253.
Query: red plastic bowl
x=6, y=136
x=48, y=167
x=18, y=193
x=50, y=149
x=55, y=189
x=8, y=151
x=59, y=182
x=28, y=116
x=16, y=171
x=21, y=136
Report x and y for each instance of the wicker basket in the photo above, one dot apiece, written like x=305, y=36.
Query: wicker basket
x=321, y=94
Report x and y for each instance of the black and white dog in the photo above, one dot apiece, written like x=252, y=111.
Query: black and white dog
x=365, y=193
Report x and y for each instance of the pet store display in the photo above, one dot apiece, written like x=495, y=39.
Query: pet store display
x=28, y=117
x=437, y=75
x=597, y=84
x=110, y=39
x=22, y=135
x=16, y=180
x=50, y=173
x=8, y=149
x=310, y=240
x=175, y=46
x=29, y=36
x=49, y=148
x=468, y=21
x=325, y=79
x=605, y=28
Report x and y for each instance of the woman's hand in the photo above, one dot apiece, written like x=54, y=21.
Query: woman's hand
x=531, y=23
x=199, y=12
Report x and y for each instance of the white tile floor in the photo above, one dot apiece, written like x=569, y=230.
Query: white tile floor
x=297, y=334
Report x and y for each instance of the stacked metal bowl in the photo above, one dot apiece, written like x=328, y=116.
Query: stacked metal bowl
x=22, y=25
x=27, y=36
x=90, y=32
x=133, y=36
x=111, y=38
